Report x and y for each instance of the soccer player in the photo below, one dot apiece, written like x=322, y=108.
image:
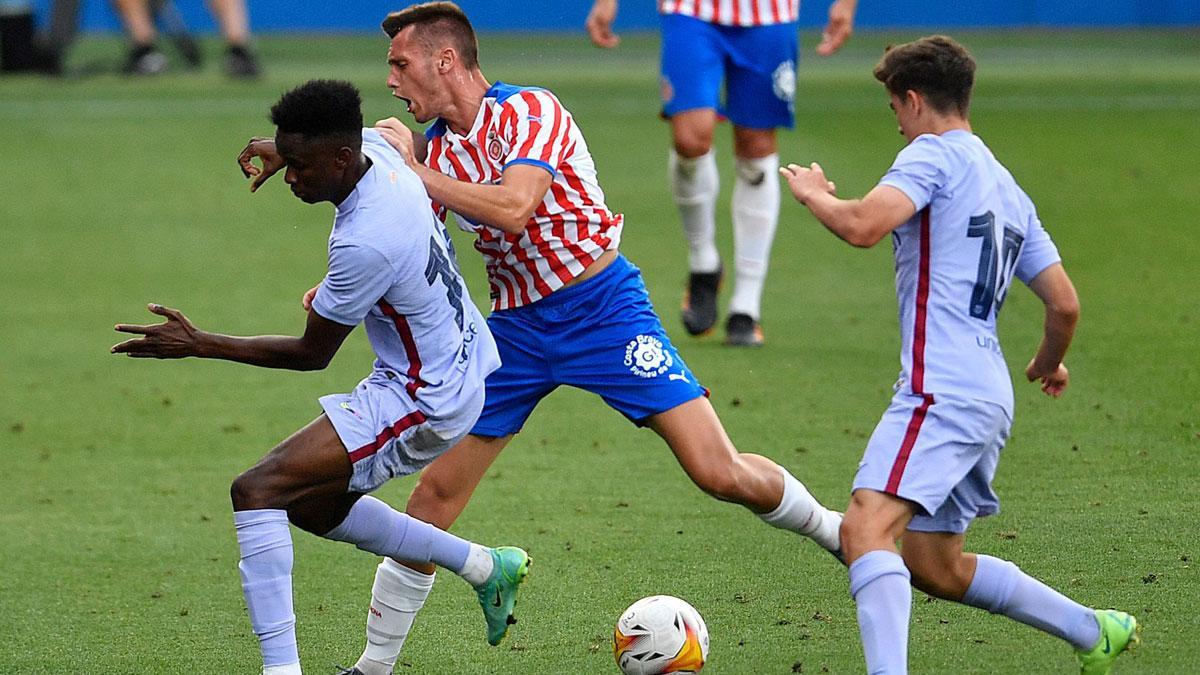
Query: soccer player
x=961, y=228
x=751, y=46
x=567, y=308
x=391, y=269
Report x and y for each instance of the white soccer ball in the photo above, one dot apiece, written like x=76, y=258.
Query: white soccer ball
x=660, y=634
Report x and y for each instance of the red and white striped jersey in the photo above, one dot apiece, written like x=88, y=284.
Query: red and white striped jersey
x=735, y=12
x=570, y=229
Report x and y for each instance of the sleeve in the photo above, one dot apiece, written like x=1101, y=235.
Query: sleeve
x=920, y=169
x=358, y=277
x=1038, y=253
x=536, y=127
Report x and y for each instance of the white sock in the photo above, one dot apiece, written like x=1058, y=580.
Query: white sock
x=289, y=669
x=1001, y=587
x=479, y=565
x=398, y=594
x=879, y=583
x=265, y=543
x=694, y=185
x=800, y=512
x=755, y=215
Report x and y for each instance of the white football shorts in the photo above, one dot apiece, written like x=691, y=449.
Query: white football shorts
x=940, y=452
x=388, y=435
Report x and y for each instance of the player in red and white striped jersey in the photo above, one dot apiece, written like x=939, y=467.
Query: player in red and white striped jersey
x=749, y=48
x=570, y=227
x=734, y=12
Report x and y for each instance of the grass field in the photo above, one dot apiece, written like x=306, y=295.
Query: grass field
x=118, y=553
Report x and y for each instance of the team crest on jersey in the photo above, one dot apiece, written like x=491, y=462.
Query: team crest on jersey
x=646, y=357
x=783, y=81
x=494, y=149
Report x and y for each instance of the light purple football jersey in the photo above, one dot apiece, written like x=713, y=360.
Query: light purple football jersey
x=392, y=267
x=974, y=229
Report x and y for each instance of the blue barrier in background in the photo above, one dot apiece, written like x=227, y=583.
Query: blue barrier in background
x=568, y=15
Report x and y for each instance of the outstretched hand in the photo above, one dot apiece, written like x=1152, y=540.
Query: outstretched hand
x=839, y=28
x=805, y=182
x=175, y=338
x=264, y=149
x=1054, y=382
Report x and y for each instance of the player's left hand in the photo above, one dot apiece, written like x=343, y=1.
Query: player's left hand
x=1053, y=383
x=839, y=28
x=805, y=182
x=399, y=137
x=175, y=338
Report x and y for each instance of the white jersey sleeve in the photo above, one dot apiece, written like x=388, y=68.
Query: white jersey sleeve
x=358, y=277
x=1038, y=253
x=919, y=170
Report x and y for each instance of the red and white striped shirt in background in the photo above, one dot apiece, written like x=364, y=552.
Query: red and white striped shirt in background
x=570, y=229
x=735, y=12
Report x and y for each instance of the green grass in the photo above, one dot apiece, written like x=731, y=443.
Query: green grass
x=118, y=553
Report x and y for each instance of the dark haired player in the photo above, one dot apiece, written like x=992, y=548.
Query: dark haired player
x=391, y=269
x=961, y=228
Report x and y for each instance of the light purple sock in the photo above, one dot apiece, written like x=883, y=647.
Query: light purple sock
x=377, y=528
x=1001, y=587
x=879, y=584
x=266, y=566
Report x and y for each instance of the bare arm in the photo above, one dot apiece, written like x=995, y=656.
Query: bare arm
x=839, y=28
x=600, y=20
x=1057, y=293
x=178, y=338
x=859, y=222
x=507, y=205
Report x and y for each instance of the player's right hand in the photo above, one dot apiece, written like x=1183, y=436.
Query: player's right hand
x=174, y=338
x=399, y=137
x=264, y=149
x=599, y=24
x=306, y=301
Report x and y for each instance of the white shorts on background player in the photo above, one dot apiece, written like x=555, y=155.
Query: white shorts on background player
x=392, y=268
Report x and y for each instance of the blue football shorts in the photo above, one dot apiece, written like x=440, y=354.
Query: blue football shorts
x=940, y=452
x=757, y=65
x=600, y=335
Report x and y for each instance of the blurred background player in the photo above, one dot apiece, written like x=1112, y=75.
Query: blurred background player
x=752, y=49
x=390, y=269
x=961, y=228
x=145, y=57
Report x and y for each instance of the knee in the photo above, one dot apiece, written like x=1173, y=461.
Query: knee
x=693, y=140
x=720, y=480
x=860, y=535
x=250, y=491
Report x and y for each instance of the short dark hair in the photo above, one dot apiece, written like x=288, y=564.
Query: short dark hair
x=937, y=67
x=443, y=20
x=320, y=108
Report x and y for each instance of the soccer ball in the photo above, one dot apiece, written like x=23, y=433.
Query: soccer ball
x=660, y=634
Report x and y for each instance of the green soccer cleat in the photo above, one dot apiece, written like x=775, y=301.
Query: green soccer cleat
x=498, y=595
x=1118, y=632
